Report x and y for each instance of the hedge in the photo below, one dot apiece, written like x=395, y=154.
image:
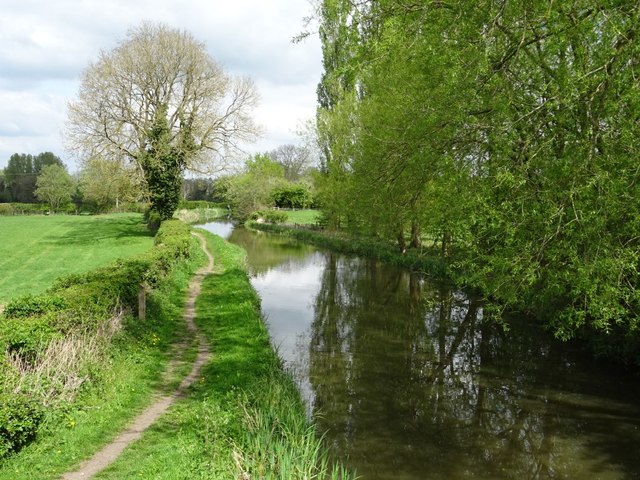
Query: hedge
x=75, y=303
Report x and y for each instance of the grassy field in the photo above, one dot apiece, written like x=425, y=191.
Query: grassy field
x=35, y=250
x=303, y=217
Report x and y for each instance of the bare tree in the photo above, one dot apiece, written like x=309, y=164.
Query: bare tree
x=159, y=97
x=294, y=159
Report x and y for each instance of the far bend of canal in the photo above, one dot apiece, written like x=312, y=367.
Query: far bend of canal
x=408, y=382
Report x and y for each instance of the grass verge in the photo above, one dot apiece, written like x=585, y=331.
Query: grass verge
x=244, y=417
x=35, y=250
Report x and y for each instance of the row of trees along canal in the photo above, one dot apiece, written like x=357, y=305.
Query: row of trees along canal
x=507, y=133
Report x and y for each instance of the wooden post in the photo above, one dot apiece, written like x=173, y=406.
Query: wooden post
x=142, y=302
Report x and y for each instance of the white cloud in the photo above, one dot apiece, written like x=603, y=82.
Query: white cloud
x=44, y=46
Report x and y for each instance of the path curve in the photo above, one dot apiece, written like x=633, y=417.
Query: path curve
x=109, y=453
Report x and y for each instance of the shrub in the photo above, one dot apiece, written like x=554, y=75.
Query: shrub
x=153, y=220
x=25, y=337
x=295, y=195
x=30, y=305
x=273, y=216
x=20, y=417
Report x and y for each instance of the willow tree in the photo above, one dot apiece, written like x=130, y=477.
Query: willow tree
x=160, y=101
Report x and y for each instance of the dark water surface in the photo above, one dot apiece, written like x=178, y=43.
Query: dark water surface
x=410, y=383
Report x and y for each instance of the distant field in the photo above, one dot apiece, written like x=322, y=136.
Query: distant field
x=303, y=216
x=35, y=250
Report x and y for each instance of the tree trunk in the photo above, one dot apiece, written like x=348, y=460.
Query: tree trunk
x=415, y=235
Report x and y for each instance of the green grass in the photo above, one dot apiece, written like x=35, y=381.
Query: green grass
x=134, y=370
x=243, y=411
x=303, y=217
x=35, y=250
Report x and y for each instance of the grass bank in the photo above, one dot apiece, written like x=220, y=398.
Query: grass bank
x=428, y=262
x=35, y=250
x=303, y=217
x=244, y=417
x=85, y=376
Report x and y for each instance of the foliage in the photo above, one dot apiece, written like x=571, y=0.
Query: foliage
x=20, y=416
x=107, y=184
x=252, y=190
x=160, y=101
x=54, y=186
x=22, y=208
x=19, y=179
x=269, y=216
x=505, y=131
x=293, y=195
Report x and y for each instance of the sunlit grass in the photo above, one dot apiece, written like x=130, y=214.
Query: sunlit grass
x=35, y=250
x=303, y=217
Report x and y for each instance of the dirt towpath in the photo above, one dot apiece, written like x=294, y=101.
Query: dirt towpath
x=103, y=458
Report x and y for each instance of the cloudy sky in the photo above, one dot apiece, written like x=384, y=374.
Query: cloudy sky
x=45, y=46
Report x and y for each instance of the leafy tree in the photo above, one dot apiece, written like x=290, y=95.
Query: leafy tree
x=253, y=189
x=292, y=195
x=21, y=173
x=160, y=101
x=55, y=186
x=198, y=189
x=507, y=130
x=107, y=183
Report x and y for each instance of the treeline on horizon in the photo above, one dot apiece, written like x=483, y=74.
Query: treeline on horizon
x=507, y=133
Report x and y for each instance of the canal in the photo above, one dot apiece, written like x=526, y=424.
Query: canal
x=410, y=382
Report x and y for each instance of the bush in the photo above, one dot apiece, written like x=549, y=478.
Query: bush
x=20, y=417
x=25, y=337
x=23, y=208
x=269, y=216
x=31, y=305
x=273, y=216
x=295, y=195
x=153, y=220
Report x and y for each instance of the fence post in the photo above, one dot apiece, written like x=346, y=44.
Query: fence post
x=142, y=302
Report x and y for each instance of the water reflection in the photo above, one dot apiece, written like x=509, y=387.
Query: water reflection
x=409, y=382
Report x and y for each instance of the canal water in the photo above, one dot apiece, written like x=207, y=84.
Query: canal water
x=409, y=382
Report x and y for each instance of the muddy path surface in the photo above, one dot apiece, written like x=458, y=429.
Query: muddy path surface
x=110, y=452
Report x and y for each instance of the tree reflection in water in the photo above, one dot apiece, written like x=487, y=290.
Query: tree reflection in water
x=409, y=382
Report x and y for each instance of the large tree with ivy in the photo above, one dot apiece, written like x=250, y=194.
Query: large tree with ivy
x=159, y=100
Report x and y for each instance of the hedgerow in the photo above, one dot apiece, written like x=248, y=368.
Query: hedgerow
x=75, y=305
